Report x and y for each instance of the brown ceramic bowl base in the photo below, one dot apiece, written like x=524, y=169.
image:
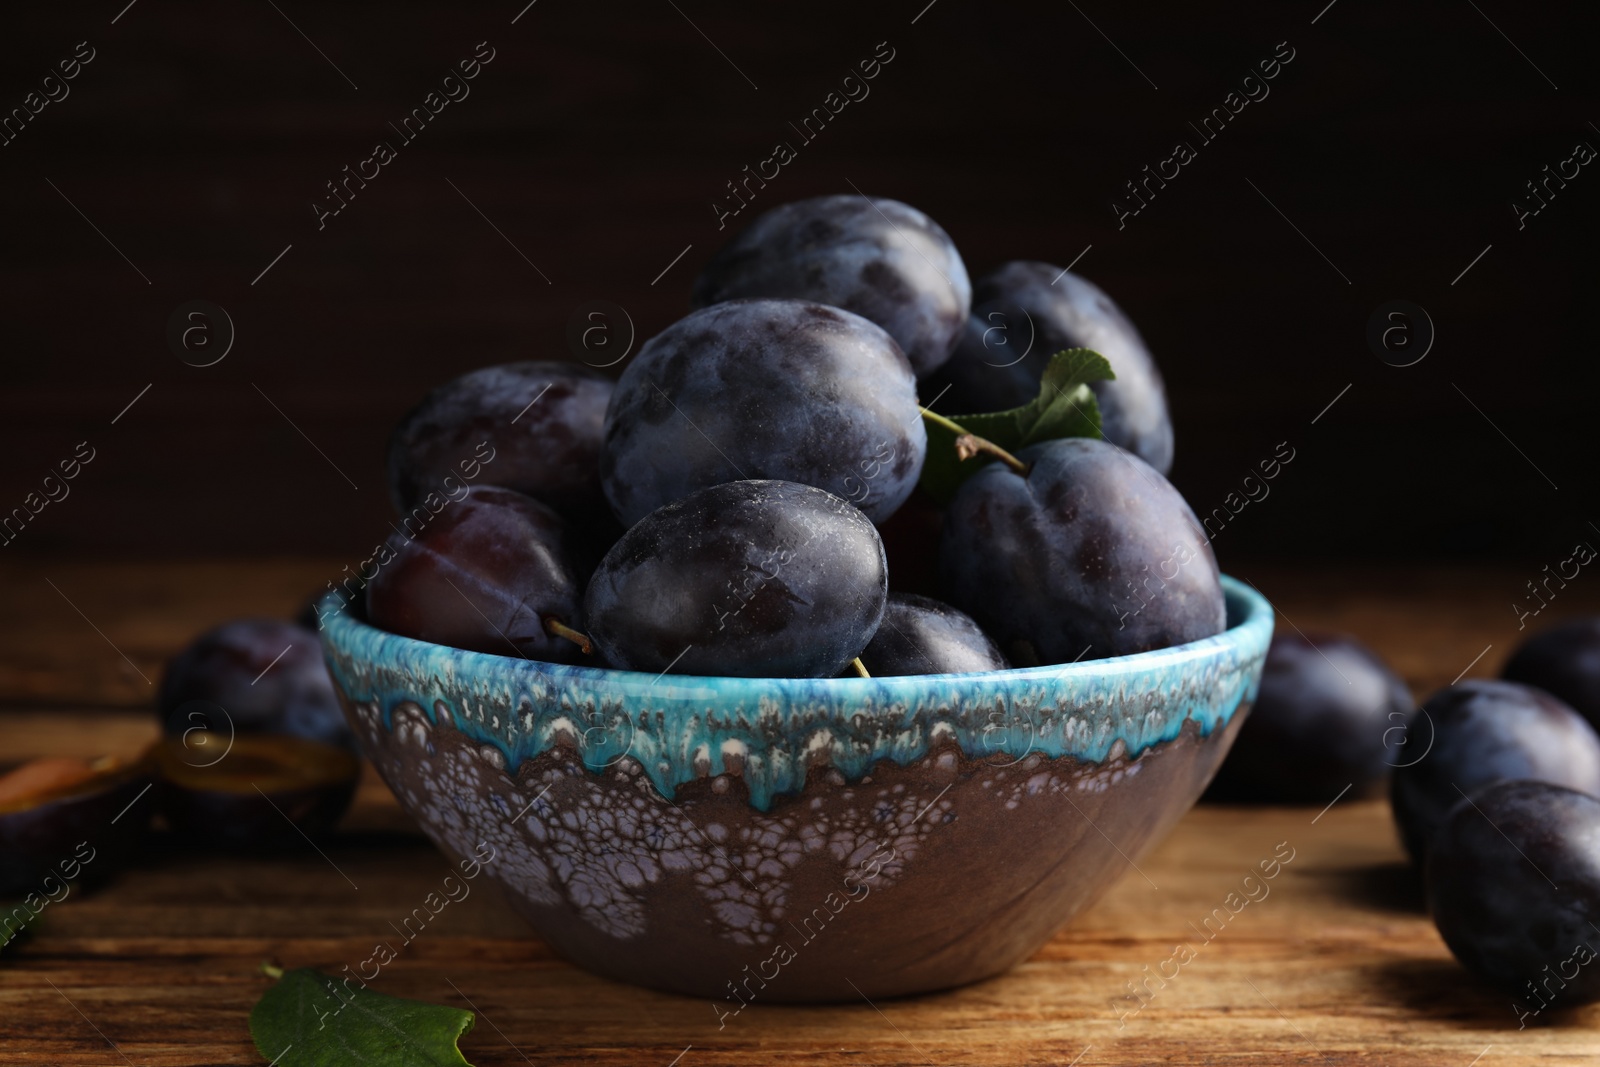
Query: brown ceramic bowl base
x=904, y=882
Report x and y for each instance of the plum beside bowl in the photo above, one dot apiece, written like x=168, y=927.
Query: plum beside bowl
x=798, y=839
x=73, y=831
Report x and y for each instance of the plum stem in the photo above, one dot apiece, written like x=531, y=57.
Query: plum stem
x=940, y=420
x=271, y=970
x=970, y=444
x=555, y=626
x=861, y=668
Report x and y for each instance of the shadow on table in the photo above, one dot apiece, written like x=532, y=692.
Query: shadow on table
x=1443, y=991
x=1394, y=886
x=1447, y=992
x=162, y=847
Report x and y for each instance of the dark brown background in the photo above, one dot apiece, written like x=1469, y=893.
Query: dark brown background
x=598, y=137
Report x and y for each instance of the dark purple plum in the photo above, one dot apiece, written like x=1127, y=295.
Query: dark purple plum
x=765, y=389
x=1564, y=661
x=883, y=260
x=749, y=578
x=253, y=676
x=256, y=792
x=1513, y=882
x=994, y=367
x=535, y=427
x=309, y=614
x=1330, y=715
x=1482, y=732
x=911, y=543
x=1090, y=554
x=1024, y=313
x=61, y=819
x=920, y=635
x=490, y=573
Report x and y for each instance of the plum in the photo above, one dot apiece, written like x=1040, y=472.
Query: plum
x=995, y=366
x=534, y=426
x=747, y=578
x=1513, y=882
x=1563, y=661
x=1025, y=312
x=1088, y=554
x=911, y=542
x=63, y=818
x=765, y=389
x=1330, y=715
x=253, y=791
x=883, y=260
x=1481, y=732
x=494, y=572
x=253, y=676
x=920, y=635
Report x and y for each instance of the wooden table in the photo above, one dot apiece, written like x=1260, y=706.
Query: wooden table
x=1337, y=965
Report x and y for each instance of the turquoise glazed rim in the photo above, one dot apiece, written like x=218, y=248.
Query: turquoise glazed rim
x=771, y=732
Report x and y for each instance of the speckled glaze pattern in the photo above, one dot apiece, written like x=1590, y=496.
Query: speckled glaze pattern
x=798, y=839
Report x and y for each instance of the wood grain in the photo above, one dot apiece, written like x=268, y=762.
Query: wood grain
x=1337, y=964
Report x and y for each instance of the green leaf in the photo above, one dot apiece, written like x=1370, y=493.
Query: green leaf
x=310, y=1020
x=1065, y=407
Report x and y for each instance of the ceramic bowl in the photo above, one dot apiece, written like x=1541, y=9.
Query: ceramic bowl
x=797, y=839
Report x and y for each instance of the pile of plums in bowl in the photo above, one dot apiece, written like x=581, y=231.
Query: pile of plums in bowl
x=763, y=680
x=1494, y=784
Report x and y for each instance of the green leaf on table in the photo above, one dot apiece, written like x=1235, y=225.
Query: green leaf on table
x=1065, y=407
x=310, y=1020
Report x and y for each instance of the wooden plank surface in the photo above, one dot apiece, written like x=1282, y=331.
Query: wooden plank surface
x=1337, y=964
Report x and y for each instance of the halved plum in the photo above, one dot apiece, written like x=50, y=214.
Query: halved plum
x=263, y=790
x=63, y=819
